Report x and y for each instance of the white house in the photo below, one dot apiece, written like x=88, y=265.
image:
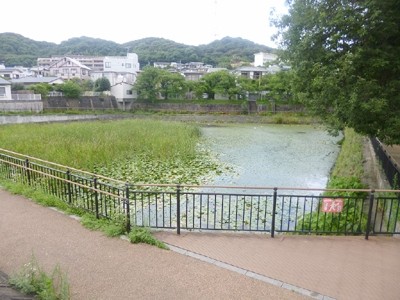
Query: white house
x=122, y=64
x=251, y=72
x=68, y=68
x=14, y=72
x=5, y=89
x=262, y=58
x=121, y=71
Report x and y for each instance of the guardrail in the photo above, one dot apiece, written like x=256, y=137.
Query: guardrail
x=189, y=207
x=389, y=165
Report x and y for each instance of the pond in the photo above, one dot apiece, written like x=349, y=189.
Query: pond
x=273, y=155
x=280, y=156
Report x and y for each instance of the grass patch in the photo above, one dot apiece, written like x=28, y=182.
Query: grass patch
x=88, y=144
x=138, y=151
x=39, y=197
x=33, y=280
x=110, y=227
x=350, y=160
x=143, y=235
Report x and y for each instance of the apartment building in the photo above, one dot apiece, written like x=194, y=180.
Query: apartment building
x=95, y=63
x=262, y=58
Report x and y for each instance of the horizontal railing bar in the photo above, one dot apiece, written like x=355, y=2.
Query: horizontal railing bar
x=65, y=180
x=62, y=166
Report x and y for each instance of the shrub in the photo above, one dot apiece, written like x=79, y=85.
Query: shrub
x=31, y=279
x=143, y=235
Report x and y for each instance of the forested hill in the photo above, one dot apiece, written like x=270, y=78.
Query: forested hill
x=17, y=50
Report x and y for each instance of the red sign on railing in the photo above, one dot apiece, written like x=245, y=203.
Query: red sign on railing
x=330, y=205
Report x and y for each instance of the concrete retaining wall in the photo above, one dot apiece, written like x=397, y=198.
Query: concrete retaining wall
x=86, y=102
x=21, y=105
x=44, y=119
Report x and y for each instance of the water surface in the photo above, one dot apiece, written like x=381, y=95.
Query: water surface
x=273, y=155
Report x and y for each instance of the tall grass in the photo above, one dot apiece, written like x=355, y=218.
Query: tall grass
x=138, y=151
x=87, y=144
x=350, y=160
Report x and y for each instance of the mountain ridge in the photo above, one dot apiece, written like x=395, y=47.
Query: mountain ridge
x=16, y=49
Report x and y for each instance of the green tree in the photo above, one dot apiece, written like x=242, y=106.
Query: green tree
x=154, y=83
x=17, y=87
x=147, y=83
x=171, y=85
x=278, y=86
x=220, y=82
x=102, y=84
x=346, y=63
x=87, y=85
x=71, y=89
x=247, y=85
x=41, y=88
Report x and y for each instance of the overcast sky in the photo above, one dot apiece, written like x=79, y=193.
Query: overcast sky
x=191, y=22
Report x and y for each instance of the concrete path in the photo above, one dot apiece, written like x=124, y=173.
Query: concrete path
x=200, y=265
x=337, y=267
x=99, y=267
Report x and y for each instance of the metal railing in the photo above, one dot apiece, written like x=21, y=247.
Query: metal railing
x=185, y=207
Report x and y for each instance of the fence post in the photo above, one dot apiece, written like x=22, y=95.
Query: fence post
x=96, y=197
x=28, y=174
x=128, y=209
x=371, y=204
x=69, y=186
x=274, y=212
x=178, y=209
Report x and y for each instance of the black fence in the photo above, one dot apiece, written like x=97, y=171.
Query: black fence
x=389, y=165
x=182, y=207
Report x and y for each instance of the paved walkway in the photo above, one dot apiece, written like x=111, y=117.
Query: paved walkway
x=201, y=265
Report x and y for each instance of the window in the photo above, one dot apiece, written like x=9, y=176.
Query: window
x=128, y=66
x=2, y=91
x=129, y=92
x=108, y=64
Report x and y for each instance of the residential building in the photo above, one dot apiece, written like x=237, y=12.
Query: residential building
x=251, y=72
x=162, y=65
x=14, y=72
x=68, y=68
x=192, y=75
x=121, y=71
x=263, y=58
x=5, y=89
x=95, y=63
x=192, y=71
x=26, y=81
x=122, y=64
x=18, y=102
